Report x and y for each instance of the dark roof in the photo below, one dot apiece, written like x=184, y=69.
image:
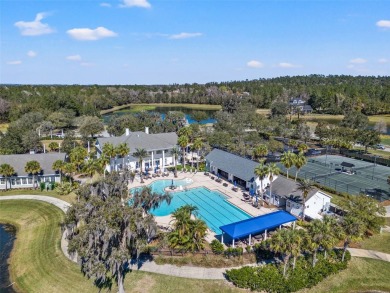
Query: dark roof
x=240, y=167
x=18, y=162
x=257, y=224
x=142, y=140
x=285, y=187
x=346, y=164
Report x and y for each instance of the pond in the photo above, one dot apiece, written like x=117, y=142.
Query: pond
x=188, y=111
x=7, y=237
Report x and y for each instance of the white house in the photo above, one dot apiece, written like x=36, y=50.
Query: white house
x=21, y=179
x=158, y=147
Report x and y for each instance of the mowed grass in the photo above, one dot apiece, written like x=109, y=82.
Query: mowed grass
x=71, y=197
x=362, y=275
x=379, y=242
x=140, y=107
x=38, y=264
x=385, y=139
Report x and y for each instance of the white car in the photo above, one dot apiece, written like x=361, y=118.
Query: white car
x=380, y=147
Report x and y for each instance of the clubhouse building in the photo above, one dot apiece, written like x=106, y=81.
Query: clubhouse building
x=21, y=179
x=158, y=147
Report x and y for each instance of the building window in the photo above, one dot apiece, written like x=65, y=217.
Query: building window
x=29, y=180
x=2, y=181
x=18, y=182
x=12, y=181
x=24, y=181
x=47, y=179
x=159, y=152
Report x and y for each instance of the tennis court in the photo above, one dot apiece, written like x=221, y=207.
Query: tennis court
x=359, y=177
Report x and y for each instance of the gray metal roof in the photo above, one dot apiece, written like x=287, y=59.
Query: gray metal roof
x=142, y=140
x=240, y=167
x=285, y=187
x=18, y=162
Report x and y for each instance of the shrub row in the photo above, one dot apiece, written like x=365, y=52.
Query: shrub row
x=270, y=277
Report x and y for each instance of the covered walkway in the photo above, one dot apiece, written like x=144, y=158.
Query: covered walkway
x=257, y=225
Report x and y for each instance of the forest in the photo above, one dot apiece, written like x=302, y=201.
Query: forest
x=334, y=94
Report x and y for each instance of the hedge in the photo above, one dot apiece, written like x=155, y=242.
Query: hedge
x=270, y=278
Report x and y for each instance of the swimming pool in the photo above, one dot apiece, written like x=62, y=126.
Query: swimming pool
x=213, y=206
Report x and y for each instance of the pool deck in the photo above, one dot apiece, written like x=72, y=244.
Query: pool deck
x=201, y=180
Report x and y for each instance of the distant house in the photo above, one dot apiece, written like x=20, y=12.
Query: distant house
x=23, y=180
x=285, y=195
x=297, y=105
x=158, y=147
x=235, y=169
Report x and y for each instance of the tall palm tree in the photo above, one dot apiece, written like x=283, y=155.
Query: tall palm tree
x=281, y=242
x=261, y=171
x=58, y=166
x=316, y=232
x=353, y=229
x=287, y=160
x=149, y=200
x=183, y=143
x=302, y=148
x=175, y=155
x=305, y=186
x=141, y=154
x=102, y=162
x=33, y=167
x=90, y=167
x=110, y=151
x=197, y=145
x=77, y=156
x=260, y=151
x=292, y=143
x=69, y=169
x=6, y=171
x=333, y=233
x=123, y=150
x=299, y=162
x=273, y=170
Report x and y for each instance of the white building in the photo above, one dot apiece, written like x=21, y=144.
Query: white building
x=21, y=179
x=158, y=147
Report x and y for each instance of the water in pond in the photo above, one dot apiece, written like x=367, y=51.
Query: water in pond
x=7, y=237
x=163, y=111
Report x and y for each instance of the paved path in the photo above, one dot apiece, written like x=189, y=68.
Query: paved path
x=171, y=270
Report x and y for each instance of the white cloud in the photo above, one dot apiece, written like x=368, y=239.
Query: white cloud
x=136, y=3
x=383, y=60
x=15, y=62
x=255, y=64
x=74, y=58
x=358, y=61
x=35, y=27
x=87, y=34
x=184, y=36
x=287, y=65
x=383, y=23
x=104, y=4
x=31, y=54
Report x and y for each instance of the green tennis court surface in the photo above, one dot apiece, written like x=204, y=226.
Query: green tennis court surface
x=358, y=177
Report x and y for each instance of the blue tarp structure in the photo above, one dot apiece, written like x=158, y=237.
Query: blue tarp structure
x=257, y=225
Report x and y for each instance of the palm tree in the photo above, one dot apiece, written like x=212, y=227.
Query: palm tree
x=281, y=242
x=175, y=155
x=197, y=145
x=33, y=167
x=90, y=167
x=183, y=142
x=353, y=229
x=69, y=169
x=302, y=147
x=299, y=162
x=261, y=171
x=141, y=154
x=333, y=233
x=77, y=156
x=58, y=166
x=287, y=160
x=102, y=162
x=110, y=151
x=273, y=170
x=123, y=150
x=149, y=200
x=292, y=143
x=305, y=186
x=6, y=171
x=199, y=231
x=316, y=232
x=260, y=151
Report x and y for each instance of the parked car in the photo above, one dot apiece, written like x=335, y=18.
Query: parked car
x=313, y=152
x=380, y=147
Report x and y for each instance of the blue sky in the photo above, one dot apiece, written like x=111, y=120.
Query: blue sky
x=165, y=42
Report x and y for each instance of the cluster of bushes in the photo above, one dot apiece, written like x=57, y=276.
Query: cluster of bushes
x=65, y=188
x=218, y=248
x=47, y=186
x=270, y=278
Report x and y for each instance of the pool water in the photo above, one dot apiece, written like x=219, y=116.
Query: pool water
x=213, y=206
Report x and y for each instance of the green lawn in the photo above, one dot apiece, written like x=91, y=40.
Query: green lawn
x=385, y=139
x=38, y=264
x=68, y=198
x=379, y=242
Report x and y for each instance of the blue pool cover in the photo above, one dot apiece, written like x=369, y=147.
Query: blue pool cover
x=257, y=225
